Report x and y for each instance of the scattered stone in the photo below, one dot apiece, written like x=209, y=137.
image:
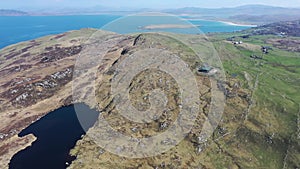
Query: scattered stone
x=101, y=151
x=134, y=129
x=199, y=149
x=163, y=125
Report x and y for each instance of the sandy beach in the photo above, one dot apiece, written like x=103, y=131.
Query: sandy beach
x=225, y=22
x=237, y=24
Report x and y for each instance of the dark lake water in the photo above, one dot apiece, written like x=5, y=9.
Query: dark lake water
x=57, y=133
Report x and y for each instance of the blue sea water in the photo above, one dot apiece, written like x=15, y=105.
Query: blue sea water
x=14, y=29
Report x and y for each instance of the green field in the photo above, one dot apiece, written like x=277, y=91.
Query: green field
x=272, y=123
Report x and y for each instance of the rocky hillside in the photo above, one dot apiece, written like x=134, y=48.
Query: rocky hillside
x=35, y=78
x=38, y=76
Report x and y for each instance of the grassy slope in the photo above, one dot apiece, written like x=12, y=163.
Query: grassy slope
x=274, y=82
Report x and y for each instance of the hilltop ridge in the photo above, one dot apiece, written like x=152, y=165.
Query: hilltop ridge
x=259, y=127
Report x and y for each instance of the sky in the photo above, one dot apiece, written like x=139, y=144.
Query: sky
x=154, y=4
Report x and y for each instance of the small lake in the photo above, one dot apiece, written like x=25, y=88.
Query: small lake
x=57, y=133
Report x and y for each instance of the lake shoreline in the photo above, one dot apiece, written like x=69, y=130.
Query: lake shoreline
x=68, y=136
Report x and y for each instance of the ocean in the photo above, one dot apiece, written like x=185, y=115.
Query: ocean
x=14, y=29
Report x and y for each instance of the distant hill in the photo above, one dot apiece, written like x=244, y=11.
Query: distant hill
x=263, y=19
x=252, y=14
x=9, y=12
x=241, y=10
x=258, y=14
x=284, y=28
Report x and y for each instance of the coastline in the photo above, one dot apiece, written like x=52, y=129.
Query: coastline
x=223, y=21
x=237, y=24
